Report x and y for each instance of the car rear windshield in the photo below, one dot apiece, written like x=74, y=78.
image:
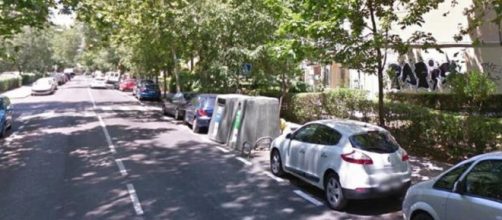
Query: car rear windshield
x=152, y=86
x=208, y=102
x=377, y=142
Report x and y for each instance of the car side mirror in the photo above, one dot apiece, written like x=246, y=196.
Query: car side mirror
x=289, y=136
x=459, y=187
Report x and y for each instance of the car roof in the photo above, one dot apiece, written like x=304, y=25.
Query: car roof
x=350, y=127
x=207, y=95
x=491, y=155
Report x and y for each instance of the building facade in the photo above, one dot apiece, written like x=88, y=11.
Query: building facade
x=428, y=68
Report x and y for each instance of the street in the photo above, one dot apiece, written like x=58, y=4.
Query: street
x=101, y=154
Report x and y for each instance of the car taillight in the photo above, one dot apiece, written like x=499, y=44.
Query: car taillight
x=404, y=155
x=201, y=112
x=357, y=158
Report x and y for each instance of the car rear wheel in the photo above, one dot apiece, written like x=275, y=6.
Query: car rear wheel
x=195, y=127
x=422, y=216
x=3, y=132
x=276, y=163
x=334, y=194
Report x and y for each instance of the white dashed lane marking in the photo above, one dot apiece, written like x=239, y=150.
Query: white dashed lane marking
x=135, y=200
x=121, y=166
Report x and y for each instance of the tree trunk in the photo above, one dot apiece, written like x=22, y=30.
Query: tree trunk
x=164, y=77
x=175, y=71
x=381, y=112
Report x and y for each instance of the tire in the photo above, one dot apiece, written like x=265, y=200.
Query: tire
x=276, y=163
x=3, y=132
x=164, y=112
x=334, y=193
x=195, y=127
x=422, y=216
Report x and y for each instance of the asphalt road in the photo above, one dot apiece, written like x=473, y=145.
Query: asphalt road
x=100, y=154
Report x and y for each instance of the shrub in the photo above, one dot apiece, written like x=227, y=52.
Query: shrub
x=422, y=131
x=472, y=88
x=447, y=102
x=8, y=82
x=28, y=78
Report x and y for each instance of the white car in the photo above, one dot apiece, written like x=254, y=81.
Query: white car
x=44, y=86
x=98, y=83
x=470, y=190
x=347, y=159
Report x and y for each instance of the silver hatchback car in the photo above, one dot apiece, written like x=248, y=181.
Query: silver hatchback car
x=470, y=190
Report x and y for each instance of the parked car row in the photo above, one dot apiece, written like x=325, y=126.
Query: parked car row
x=353, y=160
x=49, y=85
x=194, y=109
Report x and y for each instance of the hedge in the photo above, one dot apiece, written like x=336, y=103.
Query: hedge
x=11, y=81
x=443, y=136
x=8, y=82
x=28, y=78
x=447, y=102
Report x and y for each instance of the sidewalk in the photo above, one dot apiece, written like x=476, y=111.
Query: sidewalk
x=18, y=93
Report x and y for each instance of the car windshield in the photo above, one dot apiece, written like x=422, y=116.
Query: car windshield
x=374, y=141
x=42, y=82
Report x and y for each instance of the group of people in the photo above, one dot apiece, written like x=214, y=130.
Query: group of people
x=430, y=75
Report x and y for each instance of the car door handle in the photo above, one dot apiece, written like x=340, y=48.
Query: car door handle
x=302, y=151
x=324, y=155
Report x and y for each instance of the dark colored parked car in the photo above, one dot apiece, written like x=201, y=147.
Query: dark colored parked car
x=140, y=84
x=199, y=110
x=5, y=115
x=148, y=91
x=175, y=104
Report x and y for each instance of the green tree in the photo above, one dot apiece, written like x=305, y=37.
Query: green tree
x=29, y=51
x=67, y=43
x=359, y=33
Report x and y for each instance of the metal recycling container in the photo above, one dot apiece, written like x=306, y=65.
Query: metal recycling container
x=220, y=126
x=254, y=118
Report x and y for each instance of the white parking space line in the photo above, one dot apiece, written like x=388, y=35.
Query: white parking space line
x=244, y=161
x=308, y=197
x=154, y=108
x=106, y=108
x=124, y=108
x=269, y=174
x=121, y=166
x=135, y=200
x=139, y=108
x=222, y=149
